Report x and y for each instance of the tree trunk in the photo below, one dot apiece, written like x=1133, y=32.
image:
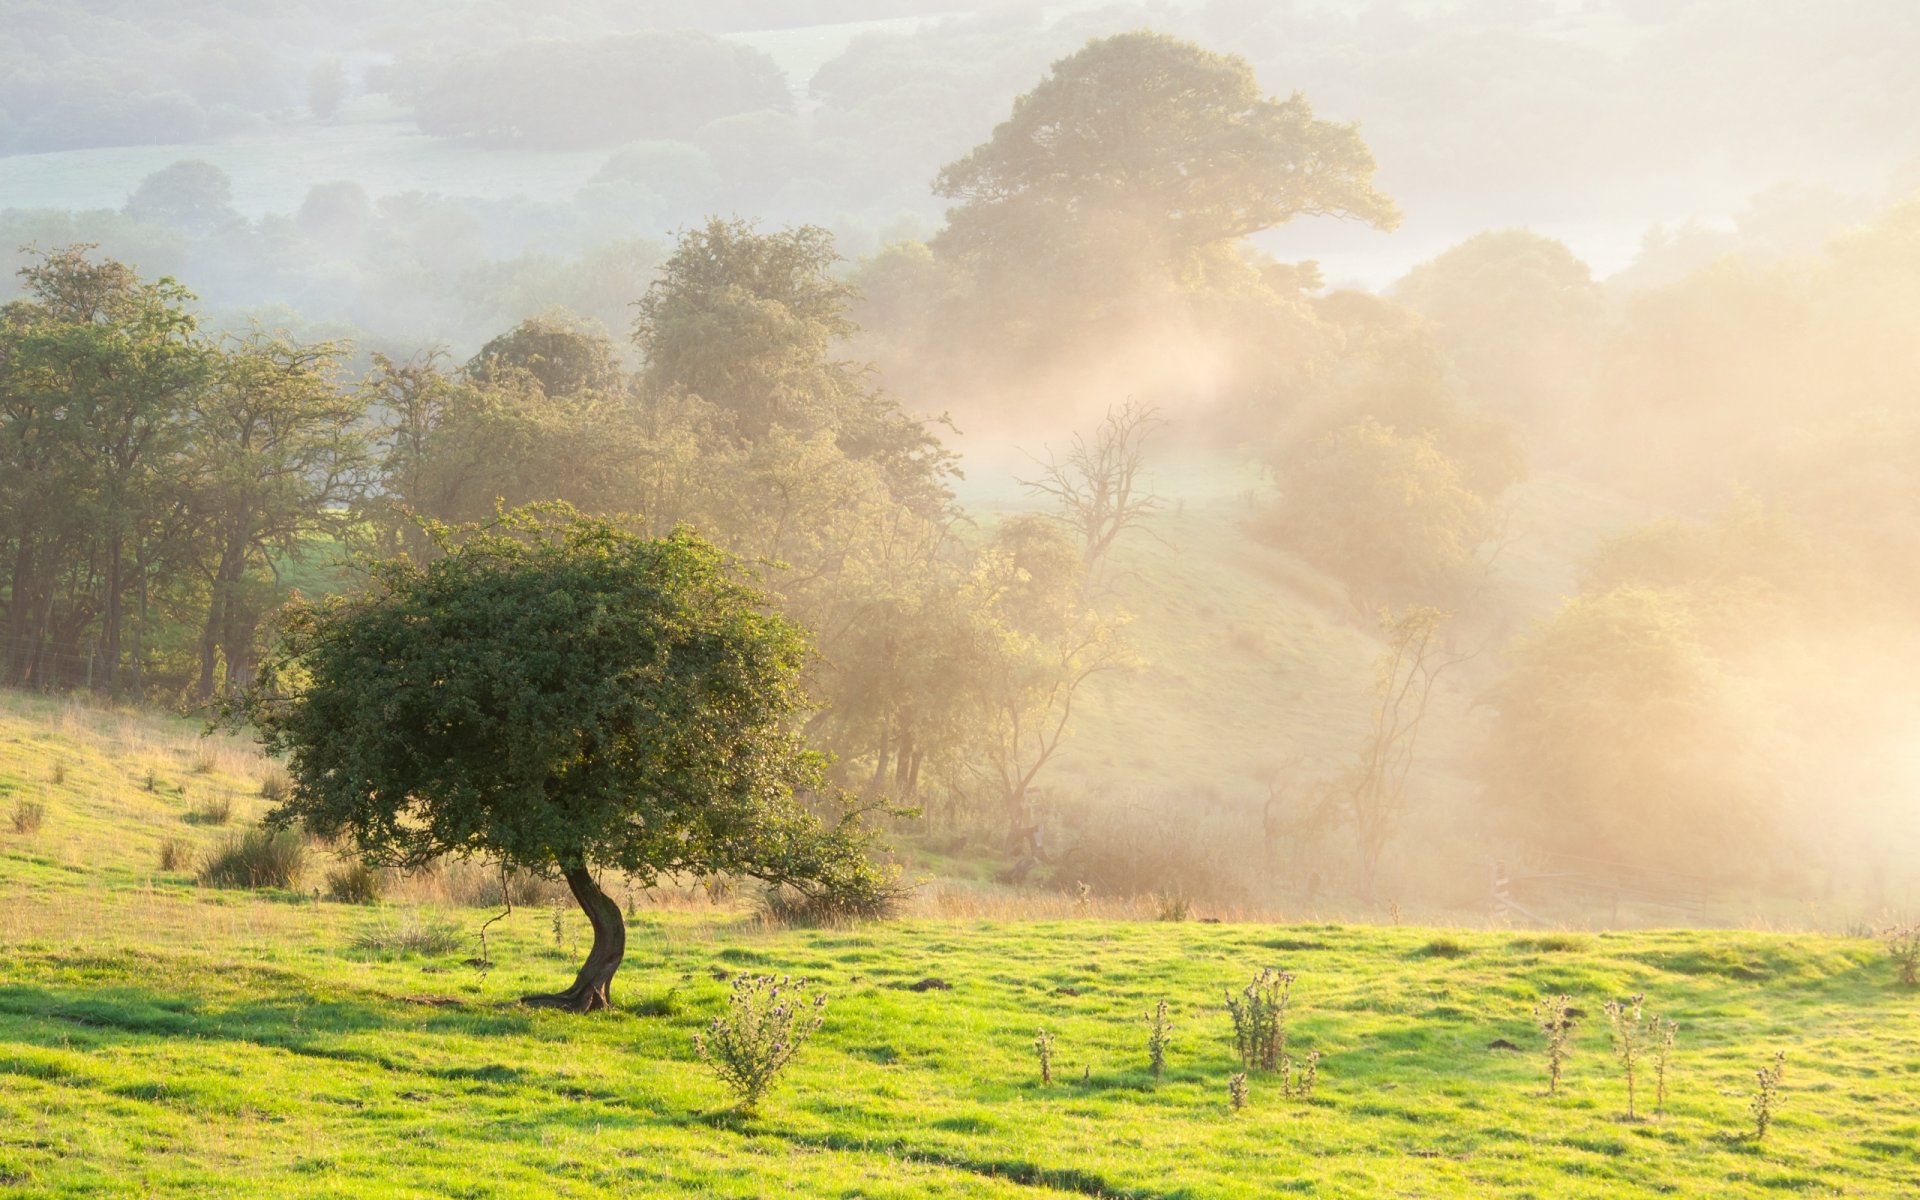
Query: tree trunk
x=593, y=987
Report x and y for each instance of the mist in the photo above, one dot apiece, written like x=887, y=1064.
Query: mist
x=1319, y=458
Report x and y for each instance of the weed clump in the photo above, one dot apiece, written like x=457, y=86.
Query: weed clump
x=353, y=883
x=1298, y=1082
x=1663, y=1035
x=1159, y=1037
x=1765, y=1105
x=28, y=816
x=1237, y=1091
x=258, y=858
x=1043, y=1050
x=830, y=907
x=58, y=776
x=1260, y=1019
x=275, y=784
x=1903, y=946
x=410, y=934
x=1445, y=947
x=1172, y=907
x=1631, y=1034
x=175, y=854
x=1554, y=1016
x=766, y=1022
x=215, y=810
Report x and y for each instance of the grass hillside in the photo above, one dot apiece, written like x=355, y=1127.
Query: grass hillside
x=160, y=1038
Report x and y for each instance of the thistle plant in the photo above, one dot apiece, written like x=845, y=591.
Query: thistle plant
x=1631, y=1034
x=1159, y=1037
x=1043, y=1050
x=1663, y=1035
x=766, y=1022
x=1903, y=946
x=1237, y=1090
x=1260, y=1019
x=1765, y=1104
x=1299, y=1083
x=559, y=926
x=1082, y=898
x=1554, y=1016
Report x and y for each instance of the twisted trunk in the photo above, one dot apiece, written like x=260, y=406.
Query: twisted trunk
x=593, y=987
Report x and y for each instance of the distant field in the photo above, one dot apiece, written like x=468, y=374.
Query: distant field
x=272, y=171
x=162, y=1039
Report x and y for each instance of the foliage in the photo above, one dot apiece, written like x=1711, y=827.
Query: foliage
x=1613, y=740
x=1299, y=1083
x=413, y=932
x=354, y=883
x=1237, y=1091
x=214, y=810
x=1765, y=1105
x=1664, y=1032
x=262, y=857
x=1903, y=947
x=1259, y=1015
x=1384, y=510
x=28, y=816
x=562, y=697
x=1137, y=152
x=1632, y=1030
x=1159, y=1037
x=1554, y=1016
x=1520, y=317
x=766, y=1023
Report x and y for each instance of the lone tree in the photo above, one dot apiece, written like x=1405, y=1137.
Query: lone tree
x=562, y=696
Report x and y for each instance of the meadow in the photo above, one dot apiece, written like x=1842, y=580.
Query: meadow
x=163, y=1038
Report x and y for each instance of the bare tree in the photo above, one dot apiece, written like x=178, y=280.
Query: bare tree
x=1097, y=483
x=1373, y=790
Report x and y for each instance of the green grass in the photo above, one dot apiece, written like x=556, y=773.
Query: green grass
x=158, y=1038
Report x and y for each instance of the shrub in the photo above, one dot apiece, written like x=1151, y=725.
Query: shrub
x=258, y=858
x=1043, y=1050
x=1554, y=1016
x=354, y=883
x=766, y=1022
x=1260, y=1019
x=214, y=810
x=1765, y=1104
x=1159, y=1037
x=829, y=906
x=1631, y=1033
x=1903, y=946
x=28, y=816
x=175, y=854
x=412, y=933
x=1172, y=907
x=275, y=783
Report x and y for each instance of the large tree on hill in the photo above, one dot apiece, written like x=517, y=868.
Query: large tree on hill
x=1143, y=147
x=566, y=698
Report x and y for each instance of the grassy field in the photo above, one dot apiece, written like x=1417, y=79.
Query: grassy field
x=159, y=1038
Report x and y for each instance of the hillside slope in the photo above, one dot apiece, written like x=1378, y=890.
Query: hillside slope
x=165, y=1039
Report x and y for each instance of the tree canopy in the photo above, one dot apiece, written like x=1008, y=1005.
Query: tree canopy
x=563, y=697
x=1151, y=137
